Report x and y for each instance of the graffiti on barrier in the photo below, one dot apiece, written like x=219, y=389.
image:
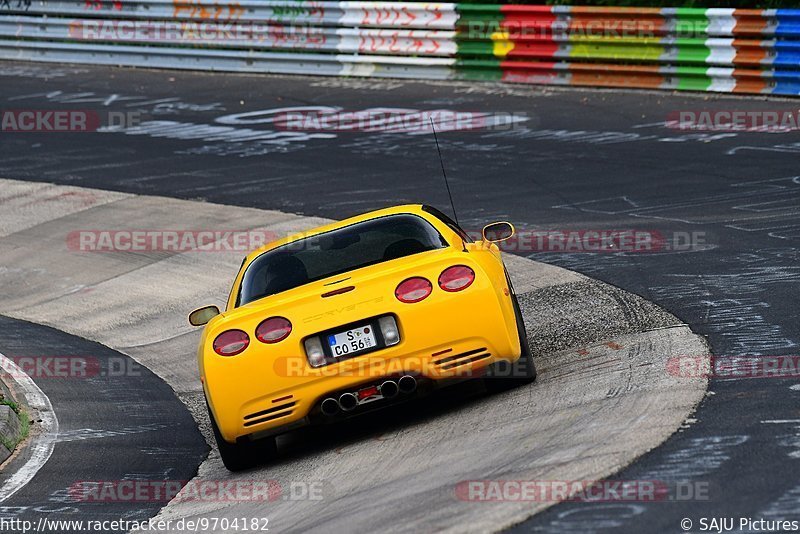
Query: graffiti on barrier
x=292, y=36
x=309, y=10
x=97, y=5
x=399, y=16
x=397, y=42
x=196, y=9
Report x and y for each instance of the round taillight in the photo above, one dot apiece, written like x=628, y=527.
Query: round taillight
x=456, y=278
x=273, y=330
x=231, y=342
x=413, y=290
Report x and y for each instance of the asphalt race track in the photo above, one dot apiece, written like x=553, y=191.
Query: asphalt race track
x=603, y=359
x=574, y=160
x=118, y=421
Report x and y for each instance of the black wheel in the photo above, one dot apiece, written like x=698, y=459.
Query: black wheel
x=521, y=372
x=243, y=455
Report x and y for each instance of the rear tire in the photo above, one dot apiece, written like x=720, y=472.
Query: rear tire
x=243, y=455
x=521, y=372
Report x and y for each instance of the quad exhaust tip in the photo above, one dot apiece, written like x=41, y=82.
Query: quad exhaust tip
x=330, y=406
x=407, y=384
x=389, y=389
x=348, y=402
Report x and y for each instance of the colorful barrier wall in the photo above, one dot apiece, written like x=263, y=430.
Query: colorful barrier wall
x=731, y=50
x=726, y=50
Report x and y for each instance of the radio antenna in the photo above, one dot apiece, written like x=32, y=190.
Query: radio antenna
x=441, y=162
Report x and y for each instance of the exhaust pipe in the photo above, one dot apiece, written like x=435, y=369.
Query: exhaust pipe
x=407, y=384
x=330, y=406
x=389, y=389
x=348, y=401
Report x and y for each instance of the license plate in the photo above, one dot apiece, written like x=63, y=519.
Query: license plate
x=352, y=341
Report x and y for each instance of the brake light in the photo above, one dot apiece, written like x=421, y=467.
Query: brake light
x=273, y=330
x=413, y=290
x=231, y=342
x=456, y=278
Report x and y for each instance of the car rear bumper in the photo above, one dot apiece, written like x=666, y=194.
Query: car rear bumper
x=289, y=407
x=446, y=336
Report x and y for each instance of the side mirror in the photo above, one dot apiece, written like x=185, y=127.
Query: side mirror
x=203, y=315
x=497, y=232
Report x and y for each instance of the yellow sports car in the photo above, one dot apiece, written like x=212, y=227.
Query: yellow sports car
x=353, y=316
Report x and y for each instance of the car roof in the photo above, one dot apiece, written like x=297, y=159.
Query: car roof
x=413, y=209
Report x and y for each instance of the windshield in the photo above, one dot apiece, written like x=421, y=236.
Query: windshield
x=335, y=252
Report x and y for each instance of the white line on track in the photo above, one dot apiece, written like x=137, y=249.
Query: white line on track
x=42, y=447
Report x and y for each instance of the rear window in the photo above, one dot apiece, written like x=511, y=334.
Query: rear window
x=335, y=252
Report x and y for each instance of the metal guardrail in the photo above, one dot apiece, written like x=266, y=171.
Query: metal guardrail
x=229, y=60
x=728, y=50
x=234, y=35
x=398, y=15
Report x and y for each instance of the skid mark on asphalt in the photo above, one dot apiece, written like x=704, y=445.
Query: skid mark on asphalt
x=92, y=433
